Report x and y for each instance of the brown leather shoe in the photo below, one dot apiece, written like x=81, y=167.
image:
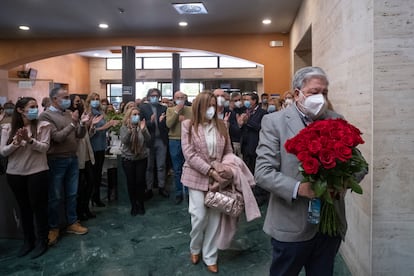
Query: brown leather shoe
x=195, y=258
x=212, y=268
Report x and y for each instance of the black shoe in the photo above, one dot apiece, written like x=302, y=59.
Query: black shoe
x=163, y=192
x=89, y=214
x=83, y=216
x=98, y=203
x=148, y=194
x=25, y=249
x=134, y=211
x=40, y=249
x=178, y=199
x=140, y=208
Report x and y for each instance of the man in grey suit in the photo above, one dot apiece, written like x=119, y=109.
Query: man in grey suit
x=296, y=242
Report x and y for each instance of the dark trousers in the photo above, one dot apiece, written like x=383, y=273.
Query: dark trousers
x=31, y=192
x=85, y=188
x=135, y=171
x=97, y=171
x=316, y=255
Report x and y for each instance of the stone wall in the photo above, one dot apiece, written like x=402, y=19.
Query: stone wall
x=393, y=143
x=367, y=50
x=342, y=44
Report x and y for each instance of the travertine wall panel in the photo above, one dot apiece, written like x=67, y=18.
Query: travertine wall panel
x=367, y=49
x=342, y=45
x=393, y=204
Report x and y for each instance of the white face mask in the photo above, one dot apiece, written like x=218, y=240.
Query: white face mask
x=238, y=104
x=220, y=101
x=313, y=106
x=210, y=112
x=288, y=101
x=226, y=103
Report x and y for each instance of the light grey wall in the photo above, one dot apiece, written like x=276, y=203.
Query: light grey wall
x=342, y=44
x=367, y=50
x=393, y=144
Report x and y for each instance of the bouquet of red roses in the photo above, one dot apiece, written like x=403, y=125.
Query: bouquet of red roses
x=331, y=162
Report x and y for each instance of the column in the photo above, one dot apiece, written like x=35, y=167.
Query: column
x=128, y=73
x=176, y=73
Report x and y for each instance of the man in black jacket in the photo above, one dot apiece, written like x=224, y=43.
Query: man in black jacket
x=154, y=114
x=250, y=123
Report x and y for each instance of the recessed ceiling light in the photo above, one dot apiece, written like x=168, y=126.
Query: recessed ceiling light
x=24, y=28
x=266, y=21
x=190, y=8
x=183, y=24
x=103, y=26
x=96, y=54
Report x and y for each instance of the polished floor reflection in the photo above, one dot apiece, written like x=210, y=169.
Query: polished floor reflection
x=154, y=244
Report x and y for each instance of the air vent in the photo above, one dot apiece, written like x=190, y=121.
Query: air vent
x=190, y=8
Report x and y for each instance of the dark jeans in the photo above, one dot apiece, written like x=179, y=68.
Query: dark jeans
x=177, y=159
x=63, y=186
x=97, y=171
x=135, y=171
x=85, y=188
x=31, y=192
x=316, y=255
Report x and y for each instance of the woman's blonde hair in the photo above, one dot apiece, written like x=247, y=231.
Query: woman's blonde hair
x=199, y=108
x=88, y=101
x=129, y=105
x=127, y=116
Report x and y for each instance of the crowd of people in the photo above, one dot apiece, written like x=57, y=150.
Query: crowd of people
x=56, y=157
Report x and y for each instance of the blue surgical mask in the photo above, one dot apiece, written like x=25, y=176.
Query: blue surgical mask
x=135, y=119
x=271, y=108
x=64, y=103
x=179, y=102
x=9, y=111
x=153, y=99
x=94, y=103
x=32, y=114
x=247, y=104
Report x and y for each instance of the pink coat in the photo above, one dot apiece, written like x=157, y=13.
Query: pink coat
x=197, y=160
x=244, y=181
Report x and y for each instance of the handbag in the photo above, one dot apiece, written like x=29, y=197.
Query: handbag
x=229, y=201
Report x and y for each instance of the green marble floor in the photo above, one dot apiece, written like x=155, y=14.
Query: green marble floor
x=154, y=244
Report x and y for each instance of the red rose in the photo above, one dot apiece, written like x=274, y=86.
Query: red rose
x=342, y=152
x=310, y=165
x=327, y=158
x=348, y=140
x=315, y=146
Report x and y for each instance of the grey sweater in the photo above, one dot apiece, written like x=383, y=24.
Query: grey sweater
x=64, y=137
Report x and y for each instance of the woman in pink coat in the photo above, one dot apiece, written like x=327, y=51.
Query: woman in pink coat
x=204, y=139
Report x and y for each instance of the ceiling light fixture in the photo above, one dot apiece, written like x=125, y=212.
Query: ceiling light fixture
x=103, y=26
x=266, y=21
x=24, y=28
x=182, y=24
x=190, y=8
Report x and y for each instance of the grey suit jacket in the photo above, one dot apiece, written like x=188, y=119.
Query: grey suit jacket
x=277, y=172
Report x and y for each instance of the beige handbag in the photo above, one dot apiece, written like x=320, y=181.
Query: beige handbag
x=228, y=201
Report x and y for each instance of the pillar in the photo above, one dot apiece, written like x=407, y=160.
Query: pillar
x=128, y=73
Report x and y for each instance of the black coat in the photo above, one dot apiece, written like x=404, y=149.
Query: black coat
x=146, y=112
x=250, y=132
